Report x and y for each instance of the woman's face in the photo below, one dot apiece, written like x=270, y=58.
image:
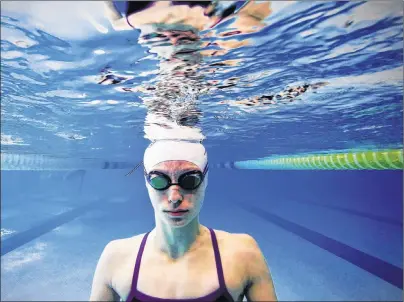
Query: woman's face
x=175, y=205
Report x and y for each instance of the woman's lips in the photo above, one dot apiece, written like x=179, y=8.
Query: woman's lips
x=177, y=213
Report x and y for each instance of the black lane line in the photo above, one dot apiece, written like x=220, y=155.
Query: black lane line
x=375, y=266
x=356, y=213
x=10, y=244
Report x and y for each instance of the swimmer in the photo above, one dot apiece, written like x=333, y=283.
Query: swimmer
x=181, y=258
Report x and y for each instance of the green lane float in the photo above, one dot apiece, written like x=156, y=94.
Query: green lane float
x=391, y=159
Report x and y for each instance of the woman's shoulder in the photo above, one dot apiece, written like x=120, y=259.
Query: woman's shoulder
x=231, y=236
x=124, y=246
x=237, y=241
x=241, y=248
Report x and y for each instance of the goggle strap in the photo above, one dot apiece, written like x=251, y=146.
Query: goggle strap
x=135, y=168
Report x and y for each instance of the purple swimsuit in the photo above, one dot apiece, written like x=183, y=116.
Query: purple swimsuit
x=221, y=294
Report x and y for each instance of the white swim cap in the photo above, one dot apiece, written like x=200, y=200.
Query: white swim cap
x=164, y=150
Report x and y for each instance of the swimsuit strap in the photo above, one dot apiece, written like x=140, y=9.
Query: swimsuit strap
x=218, y=261
x=127, y=20
x=219, y=268
x=138, y=260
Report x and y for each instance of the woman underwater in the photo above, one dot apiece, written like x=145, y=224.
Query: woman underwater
x=181, y=259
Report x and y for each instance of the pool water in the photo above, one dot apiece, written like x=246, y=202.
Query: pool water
x=80, y=102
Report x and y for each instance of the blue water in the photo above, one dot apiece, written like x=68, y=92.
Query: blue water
x=326, y=235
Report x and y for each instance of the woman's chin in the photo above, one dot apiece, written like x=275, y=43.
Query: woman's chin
x=178, y=220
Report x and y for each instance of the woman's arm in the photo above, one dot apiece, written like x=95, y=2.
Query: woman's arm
x=260, y=286
x=101, y=288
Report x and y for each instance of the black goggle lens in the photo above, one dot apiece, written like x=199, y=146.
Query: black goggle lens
x=190, y=181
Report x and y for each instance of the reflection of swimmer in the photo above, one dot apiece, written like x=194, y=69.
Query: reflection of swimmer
x=172, y=117
x=199, y=15
x=179, y=252
x=171, y=29
x=171, y=19
x=287, y=95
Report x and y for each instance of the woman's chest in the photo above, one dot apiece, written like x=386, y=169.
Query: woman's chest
x=194, y=276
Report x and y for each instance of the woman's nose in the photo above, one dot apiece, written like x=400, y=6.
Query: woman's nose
x=174, y=194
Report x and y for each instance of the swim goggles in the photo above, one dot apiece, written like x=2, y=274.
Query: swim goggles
x=190, y=180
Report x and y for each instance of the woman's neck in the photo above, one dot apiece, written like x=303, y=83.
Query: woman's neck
x=176, y=241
